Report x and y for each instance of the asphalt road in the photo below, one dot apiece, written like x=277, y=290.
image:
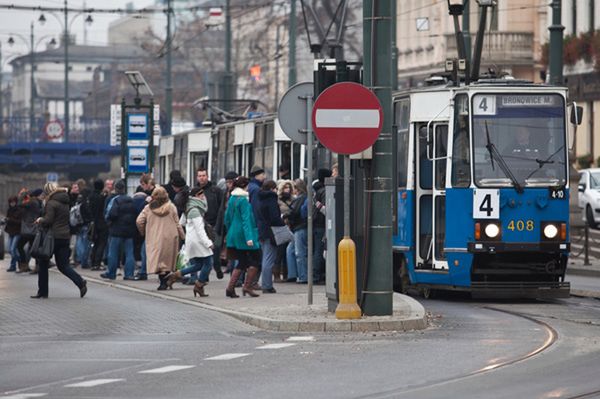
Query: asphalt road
x=118, y=344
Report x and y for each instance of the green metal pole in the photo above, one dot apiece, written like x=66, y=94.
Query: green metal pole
x=377, y=34
x=32, y=84
x=169, y=85
x=66, y=44
x=292, y=46
x=556, y=44
x=394, y=46
x=227, y=78
x=466, y=30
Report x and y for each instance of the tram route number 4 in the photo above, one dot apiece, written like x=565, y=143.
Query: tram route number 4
x=486, y=204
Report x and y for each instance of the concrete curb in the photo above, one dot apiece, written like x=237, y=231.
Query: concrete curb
x=579, y=271
x=585, y=294
x=418, y=320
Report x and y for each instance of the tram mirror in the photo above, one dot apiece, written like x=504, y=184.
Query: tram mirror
x=576, y=114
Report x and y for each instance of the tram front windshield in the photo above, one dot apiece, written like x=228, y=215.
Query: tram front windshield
x=524, y=131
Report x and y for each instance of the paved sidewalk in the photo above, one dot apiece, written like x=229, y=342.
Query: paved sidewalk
x=287, y=310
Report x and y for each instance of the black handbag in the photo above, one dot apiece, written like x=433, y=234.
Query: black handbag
x=43, y=245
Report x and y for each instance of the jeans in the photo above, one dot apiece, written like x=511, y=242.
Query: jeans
x=202, y=265
x=24, y=239
x=318, y=260
x=99, y=248
x=290, y=254
x=82, y=246
x=61, y=257
x=143, y=270
x=114, y=246
x=13, y=249
x=269, y=253
x=301, y=244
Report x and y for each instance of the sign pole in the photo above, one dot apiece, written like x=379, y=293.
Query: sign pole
x=348, y=307
x=309, y=194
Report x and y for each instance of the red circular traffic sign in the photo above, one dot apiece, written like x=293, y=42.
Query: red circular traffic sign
x=347, y=118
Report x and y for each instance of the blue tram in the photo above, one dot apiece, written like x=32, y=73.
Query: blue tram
x=483, y=189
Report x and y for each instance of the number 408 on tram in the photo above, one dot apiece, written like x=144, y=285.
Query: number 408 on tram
x=483, y=188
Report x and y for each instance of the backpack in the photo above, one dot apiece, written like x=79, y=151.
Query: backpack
x=75, y=218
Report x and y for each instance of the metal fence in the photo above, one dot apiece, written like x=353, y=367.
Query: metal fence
x=81, y=130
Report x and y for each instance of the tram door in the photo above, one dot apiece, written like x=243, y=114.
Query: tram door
x=431, y=196
x=424, y=195
x=440, y=152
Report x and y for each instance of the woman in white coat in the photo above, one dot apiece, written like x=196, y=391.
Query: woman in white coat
x=198, y=246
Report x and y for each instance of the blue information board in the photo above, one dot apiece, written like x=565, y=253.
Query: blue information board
x=137, y=126
x=137, y=159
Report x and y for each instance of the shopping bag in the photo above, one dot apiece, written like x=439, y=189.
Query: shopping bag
x=43, y=245
x=282, y=234
x=182, y=259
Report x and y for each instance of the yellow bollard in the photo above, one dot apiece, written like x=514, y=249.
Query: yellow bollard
x=347, y=308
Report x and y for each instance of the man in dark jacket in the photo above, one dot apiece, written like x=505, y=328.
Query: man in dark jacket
x=120, y=214
x=319, y=226
x=269, y=216
x=31, y=205
x=214, y=197
x=97, y=202
x=83, y=245
x=14, y=215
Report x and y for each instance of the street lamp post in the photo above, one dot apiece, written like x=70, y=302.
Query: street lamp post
x=66, y=25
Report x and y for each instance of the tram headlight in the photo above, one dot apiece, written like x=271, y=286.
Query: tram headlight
x=492, y=230
x=550, y=231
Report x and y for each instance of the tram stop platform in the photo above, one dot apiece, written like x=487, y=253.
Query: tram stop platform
x=287, y=310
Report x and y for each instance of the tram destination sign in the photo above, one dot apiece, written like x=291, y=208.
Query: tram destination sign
x=347, y=118
x=540, y=100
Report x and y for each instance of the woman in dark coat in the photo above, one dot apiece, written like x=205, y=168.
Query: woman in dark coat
x=14, y=215
x=56, y=220
x=31, y=208
x=268, y=216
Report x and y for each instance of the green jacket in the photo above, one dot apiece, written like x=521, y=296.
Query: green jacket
x=240, y=223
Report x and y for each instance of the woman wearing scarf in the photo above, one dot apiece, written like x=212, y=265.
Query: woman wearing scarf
x=198, y=246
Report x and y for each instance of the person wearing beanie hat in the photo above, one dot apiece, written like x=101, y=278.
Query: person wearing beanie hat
x=231, y=176
x=31, y=207
x=170, y=187
x=258, y=176
x=214, y=198
x=98, y=228
x=121, y=215
x=36, y=193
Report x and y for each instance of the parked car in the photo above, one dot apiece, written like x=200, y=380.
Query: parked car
x=589, y=195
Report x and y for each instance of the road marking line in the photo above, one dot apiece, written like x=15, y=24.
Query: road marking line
x=275, y=346
x=24, y=396
x=166, y=369
x=301, y=339
x=228, y=356
x=94, y=383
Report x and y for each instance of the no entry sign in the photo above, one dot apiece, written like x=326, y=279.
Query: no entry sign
x=347, y=118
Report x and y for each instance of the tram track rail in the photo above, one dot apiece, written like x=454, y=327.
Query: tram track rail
x=551, y=338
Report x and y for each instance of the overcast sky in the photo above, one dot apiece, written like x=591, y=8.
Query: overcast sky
x=19, y=22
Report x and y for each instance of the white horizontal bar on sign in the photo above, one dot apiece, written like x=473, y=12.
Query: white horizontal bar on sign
x=347, y=118
x=94, y=383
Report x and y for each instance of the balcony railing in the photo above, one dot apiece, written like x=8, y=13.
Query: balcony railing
x=505, y=48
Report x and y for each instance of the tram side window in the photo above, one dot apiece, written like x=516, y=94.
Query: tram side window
x=441, y=142
x=401, y=116
x=461, y=155
x=425, y=165
x=269, y=149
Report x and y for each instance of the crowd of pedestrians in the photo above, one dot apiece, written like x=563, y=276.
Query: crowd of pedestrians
x=253, y=228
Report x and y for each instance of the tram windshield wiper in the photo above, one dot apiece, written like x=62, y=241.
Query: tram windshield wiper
x=542, y=162
x=494, y=153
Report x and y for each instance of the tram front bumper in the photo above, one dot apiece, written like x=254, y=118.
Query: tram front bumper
x=491, y=247
x=529, y=289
